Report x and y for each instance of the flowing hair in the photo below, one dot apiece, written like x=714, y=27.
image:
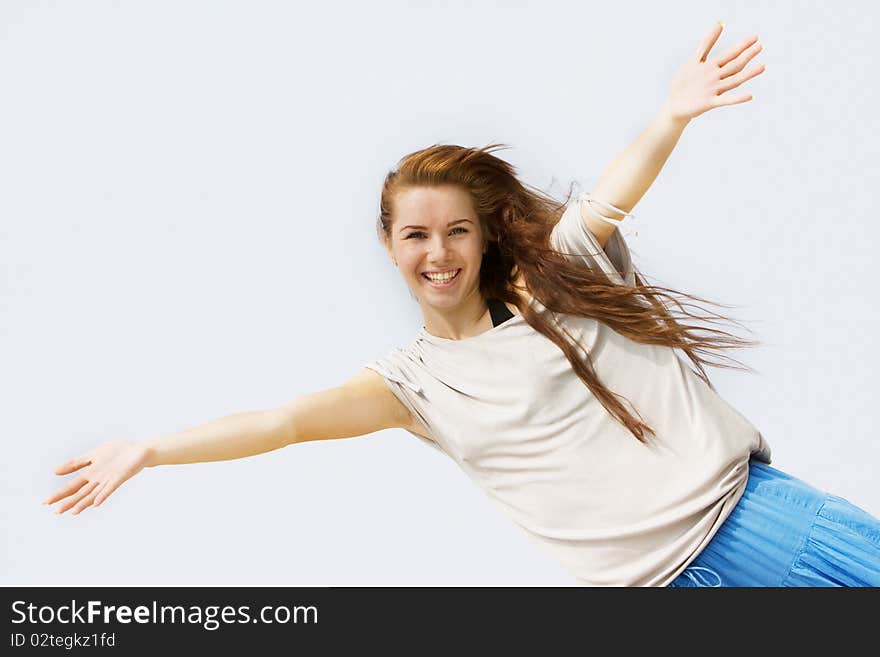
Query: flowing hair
x=517, y=221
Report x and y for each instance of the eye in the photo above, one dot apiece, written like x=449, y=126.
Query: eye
x=421, y=232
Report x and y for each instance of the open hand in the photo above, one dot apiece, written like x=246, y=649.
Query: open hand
x=106, y=468
x=700, y=82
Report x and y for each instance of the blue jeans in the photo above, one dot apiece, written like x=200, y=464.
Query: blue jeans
x=784, y=532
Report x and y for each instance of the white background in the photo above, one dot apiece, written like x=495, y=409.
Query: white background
x=188, y=206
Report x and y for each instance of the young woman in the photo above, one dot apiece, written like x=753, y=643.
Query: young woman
x=545, y=368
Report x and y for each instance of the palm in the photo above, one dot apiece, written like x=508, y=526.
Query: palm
x=106, y=468
x=699, y=83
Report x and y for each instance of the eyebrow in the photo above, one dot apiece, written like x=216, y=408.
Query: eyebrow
x=451, y=223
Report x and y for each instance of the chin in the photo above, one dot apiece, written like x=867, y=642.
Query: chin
x=447, y=303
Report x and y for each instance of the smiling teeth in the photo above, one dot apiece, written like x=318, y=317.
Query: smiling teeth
x=444, y=278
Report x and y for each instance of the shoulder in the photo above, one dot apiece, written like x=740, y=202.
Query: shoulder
x=368, y=383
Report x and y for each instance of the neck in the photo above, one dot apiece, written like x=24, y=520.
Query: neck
x=463, y=321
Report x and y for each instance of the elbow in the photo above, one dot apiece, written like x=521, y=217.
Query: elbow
x=280, y=425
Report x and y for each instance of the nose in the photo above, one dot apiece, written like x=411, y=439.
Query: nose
x=438, y=250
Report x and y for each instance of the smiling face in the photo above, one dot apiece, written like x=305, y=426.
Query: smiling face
x=435, y=230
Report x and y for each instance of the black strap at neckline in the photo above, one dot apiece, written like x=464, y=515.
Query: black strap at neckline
x=499, y=311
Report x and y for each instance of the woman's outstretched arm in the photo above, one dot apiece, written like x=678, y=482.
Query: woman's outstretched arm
x=362, y=405
x=696, y=88
x=234, y=436
x=110, y=464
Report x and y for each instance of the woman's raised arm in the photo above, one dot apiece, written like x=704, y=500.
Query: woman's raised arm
x=698, y=86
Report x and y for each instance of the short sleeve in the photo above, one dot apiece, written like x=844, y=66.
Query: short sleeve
x=571, y=236
x=762, y=451
x=401, y=379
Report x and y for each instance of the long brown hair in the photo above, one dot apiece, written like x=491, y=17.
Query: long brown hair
x=517, y=221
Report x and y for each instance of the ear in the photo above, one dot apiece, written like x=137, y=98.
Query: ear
x=390, y=252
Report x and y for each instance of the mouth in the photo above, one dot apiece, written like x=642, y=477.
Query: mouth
x=444, y=283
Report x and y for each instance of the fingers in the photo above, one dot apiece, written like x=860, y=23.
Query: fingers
x=80, y=494
x=86, y=501
x=736, y=80
x=725, y=100
x=708, y=41
x=72, y=486
x=737, y=50
x=105, y=491
x=743, y=58
x=73, y=464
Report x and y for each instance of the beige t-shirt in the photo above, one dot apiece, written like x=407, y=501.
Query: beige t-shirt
x=508, y=408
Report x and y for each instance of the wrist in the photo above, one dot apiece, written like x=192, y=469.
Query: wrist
x=151, y=454
x=670, y=118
